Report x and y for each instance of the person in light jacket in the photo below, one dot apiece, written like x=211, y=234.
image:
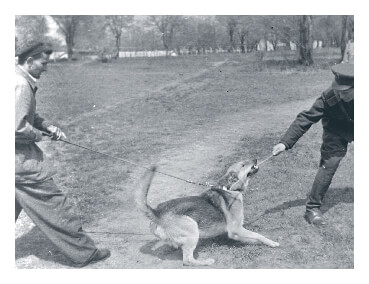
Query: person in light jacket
x=35, y=190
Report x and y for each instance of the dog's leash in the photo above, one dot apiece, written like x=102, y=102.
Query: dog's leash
x=206, y=184
x=266, y=159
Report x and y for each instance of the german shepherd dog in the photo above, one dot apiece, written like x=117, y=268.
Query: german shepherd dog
x=182, y=221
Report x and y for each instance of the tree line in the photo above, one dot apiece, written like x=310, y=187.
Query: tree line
x=113, y=33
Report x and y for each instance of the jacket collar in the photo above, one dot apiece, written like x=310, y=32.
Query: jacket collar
x=30, y=79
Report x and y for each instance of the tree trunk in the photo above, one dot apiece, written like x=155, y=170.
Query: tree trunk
x=166, y=44
x=306, y=40
x=69, y=42
x=231, y=33
x=117, y=45
x=242, y=39
x=70, y=52
x=344, y=36
x=179, y=50
x=274, y=43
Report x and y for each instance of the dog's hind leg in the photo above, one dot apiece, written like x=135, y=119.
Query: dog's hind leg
x=243, y=235
x=185, y=233
x=188, y=248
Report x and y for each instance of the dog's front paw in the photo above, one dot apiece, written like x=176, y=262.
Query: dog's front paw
x=196, y=262
x=208, y=261
x=274, y=244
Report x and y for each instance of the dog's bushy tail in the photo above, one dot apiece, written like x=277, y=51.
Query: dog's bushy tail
x=141, y=198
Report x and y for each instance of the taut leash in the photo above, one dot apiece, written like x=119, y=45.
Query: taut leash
x=207, y=184
x=266, y=159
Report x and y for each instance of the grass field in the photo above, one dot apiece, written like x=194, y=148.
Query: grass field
x=193, y=116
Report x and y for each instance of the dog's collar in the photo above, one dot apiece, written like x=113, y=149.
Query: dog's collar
x=221, y=187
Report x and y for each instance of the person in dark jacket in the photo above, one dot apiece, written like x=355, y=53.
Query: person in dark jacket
x=335, y=108
x=35, y=190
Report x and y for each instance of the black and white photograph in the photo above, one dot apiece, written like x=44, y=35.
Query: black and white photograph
x=184, y=141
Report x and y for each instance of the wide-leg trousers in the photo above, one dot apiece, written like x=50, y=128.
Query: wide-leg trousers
x=54, y=214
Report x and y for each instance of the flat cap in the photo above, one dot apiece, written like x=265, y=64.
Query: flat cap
x=32, y=48
x=343, y=76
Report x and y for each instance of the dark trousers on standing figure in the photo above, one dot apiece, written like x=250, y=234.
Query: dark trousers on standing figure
x=52, y=212
x=333, y=149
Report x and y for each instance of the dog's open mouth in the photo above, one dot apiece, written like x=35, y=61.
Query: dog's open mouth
x=254, y=169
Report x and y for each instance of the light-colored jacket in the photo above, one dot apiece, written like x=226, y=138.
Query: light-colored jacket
x=29, y=160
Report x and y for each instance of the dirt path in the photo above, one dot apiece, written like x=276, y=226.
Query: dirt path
x=197, y=156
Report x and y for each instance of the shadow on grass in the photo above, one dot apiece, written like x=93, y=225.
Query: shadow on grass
x=164, y=252
x=36, y=243
x=333, y=197
x=167, y=252
x=337, y=196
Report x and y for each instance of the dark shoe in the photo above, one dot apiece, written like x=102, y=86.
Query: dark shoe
x=315, y=217
x=100, y=254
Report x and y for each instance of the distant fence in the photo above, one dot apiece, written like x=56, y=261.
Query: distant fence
x=154, y=53
x=158, y=53
x=261, y=46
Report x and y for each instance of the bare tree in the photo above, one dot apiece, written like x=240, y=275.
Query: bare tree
x=205, y=34
x=344, y=35
x=328, y=30
x=244, y=32
x=232, y=27
x=250, y=31
x=68, y=26
x=116, y=24
x=91, y=34
x=231, y=23
x=167, y=26
x=30, y=27
x=306, y=40
x=281, y=29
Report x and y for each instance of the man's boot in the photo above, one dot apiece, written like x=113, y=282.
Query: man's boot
x=99, y=255
x=315, y=217
x=323, y=179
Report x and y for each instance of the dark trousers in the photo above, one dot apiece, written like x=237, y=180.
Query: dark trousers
x=53, y=213
x=333, y=149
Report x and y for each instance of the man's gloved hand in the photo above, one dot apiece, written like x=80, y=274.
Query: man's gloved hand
x=279, y=148
x=56, y=132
